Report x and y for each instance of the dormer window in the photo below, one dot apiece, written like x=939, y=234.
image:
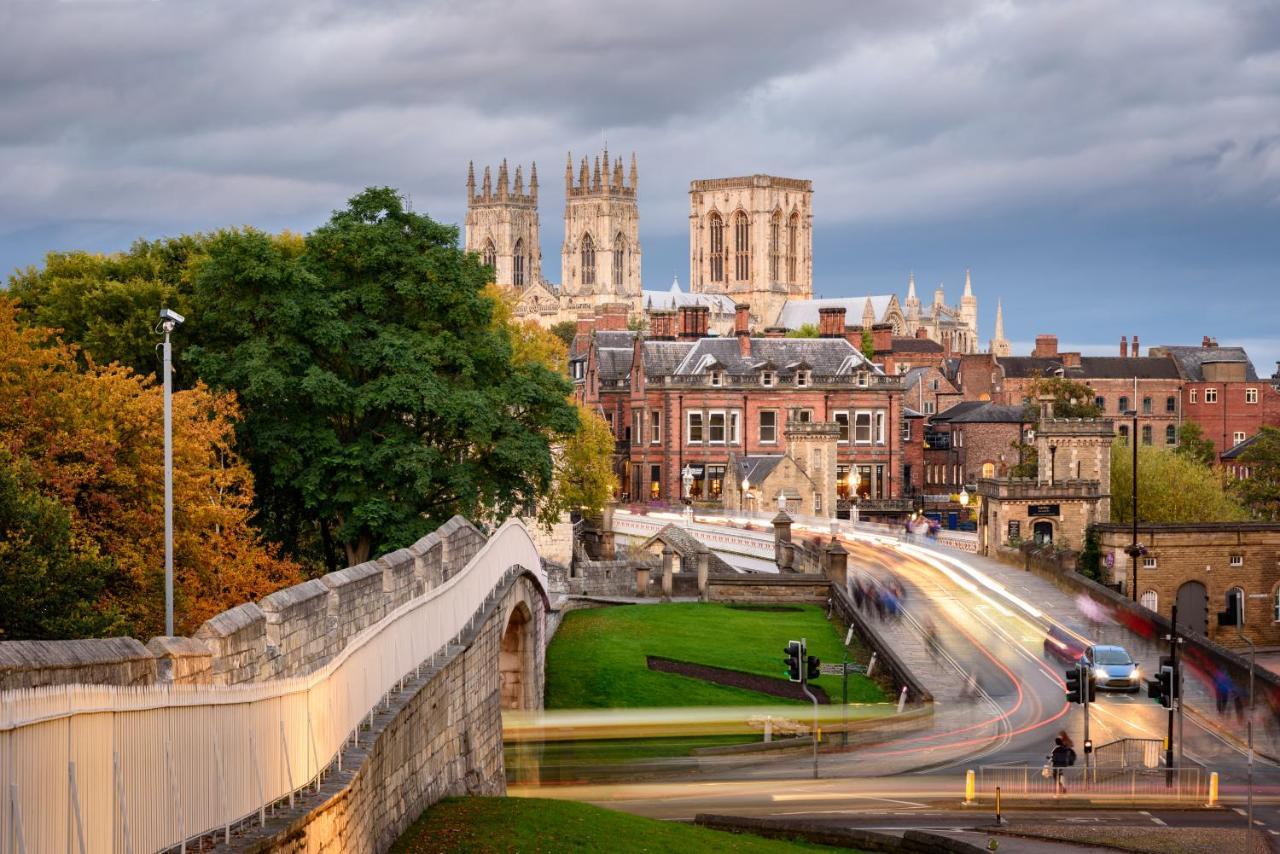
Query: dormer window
x=716, y=378
x=862, y=379
x=802, y=379
x=767, y=378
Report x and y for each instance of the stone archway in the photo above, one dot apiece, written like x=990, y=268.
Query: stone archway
x=1042, y=531
x=1193, y=607
x=516, y=660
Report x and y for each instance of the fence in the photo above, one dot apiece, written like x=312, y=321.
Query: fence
x=1128, y=753
x=88, y=768
x=1113, y=783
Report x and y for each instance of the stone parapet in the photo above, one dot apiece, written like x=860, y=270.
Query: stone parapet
x=237, y=640
x=103, y=661
x=299, y=638
x=181, y=661
x=1040, y=491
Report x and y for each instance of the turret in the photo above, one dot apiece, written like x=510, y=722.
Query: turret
x=518, y=189
x=999, y=346
x=488, y=185
x=502, y=179
x=912, y=305
x=868, y=315
x=635, y=175
x=471, y=180
x=969, y=307
x=533, y=182
x=568, y=173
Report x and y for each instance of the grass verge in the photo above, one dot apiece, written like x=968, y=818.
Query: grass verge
x=598, y=657
x=483, y=825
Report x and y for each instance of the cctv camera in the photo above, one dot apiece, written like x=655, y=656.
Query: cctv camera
x=168, y=315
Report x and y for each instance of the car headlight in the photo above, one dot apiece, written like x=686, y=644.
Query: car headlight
x=1099, y=673
x=1136, y=675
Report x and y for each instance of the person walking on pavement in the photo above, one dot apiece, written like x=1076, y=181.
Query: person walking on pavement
x=1222, y=689
x=1063, y=756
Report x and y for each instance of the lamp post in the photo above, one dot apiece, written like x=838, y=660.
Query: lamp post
x=169, y=321
x=1135, y=550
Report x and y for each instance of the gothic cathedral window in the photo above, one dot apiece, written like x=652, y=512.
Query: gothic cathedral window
x=716, y=226
x=793, y=241
x=619, y=250
x=588, y=260
x=741, y=247
x=517, y=275
x=775, y=246
x=490, y=255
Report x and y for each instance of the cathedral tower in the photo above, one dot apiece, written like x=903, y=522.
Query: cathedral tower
x=601, y=253
x=999, y=346
x=502, y=226
x=751, y=238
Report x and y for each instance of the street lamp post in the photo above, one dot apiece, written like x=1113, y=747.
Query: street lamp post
x=169, y=321
x=1135, y=550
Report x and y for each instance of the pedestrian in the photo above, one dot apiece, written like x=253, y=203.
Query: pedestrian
x=1239, y=702
x=1065, y=738
x=1222, y=689
x=1062, y=757
x=931, y=638
x=859, y=595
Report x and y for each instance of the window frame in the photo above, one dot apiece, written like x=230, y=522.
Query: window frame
x=802, y=379
x=1210, y=395
x=715, y=378
x=1238, y=436
x=655, y=426
x=1235, y=561
x=845, y=426
x=773, y=426
x=768, y=379
x=712, y=414
x=689, y=427
x=870, y=425
x=1191, y=395
x=1251, y=396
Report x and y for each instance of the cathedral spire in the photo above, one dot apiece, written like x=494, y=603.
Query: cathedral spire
x=487, y=186
x=568, y=173
x=502, y=179
x=868, y=314
x=999, y=346
x=584, y=176
x=999, y=320
x=471, y=180
x=968, y=285
x=911, y=285
x=635, y=176
x=595, y=177
x=518, y=189
x=533, y=181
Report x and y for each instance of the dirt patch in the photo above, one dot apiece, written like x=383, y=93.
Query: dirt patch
x=735, y=679
x=773, y=609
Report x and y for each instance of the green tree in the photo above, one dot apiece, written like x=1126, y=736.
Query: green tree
x=584, y=469
x=1089, y=561
x=52, y=587
x=1193, y=445
x=565, y=330
x=868, y=345
x=804, y=330
x=1071, y=399
x=1171, y=488
x=377, y=395
x=1260, y=492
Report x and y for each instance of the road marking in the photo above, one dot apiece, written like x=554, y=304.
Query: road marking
x=838, y=796
x=1238, y=810
x=1158, y=821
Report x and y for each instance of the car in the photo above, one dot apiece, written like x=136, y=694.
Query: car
x=1112, y=668
x=1062, y=645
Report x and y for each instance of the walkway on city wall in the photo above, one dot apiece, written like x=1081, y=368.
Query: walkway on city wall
x=326, y=717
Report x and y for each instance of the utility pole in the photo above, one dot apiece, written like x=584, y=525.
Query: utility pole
x=1134, y=551
x=1175, y=683
x=169, y=320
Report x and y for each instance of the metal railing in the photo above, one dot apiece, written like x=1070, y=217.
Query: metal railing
x=1131, y=784
x=1126, y=753
x=89, y=768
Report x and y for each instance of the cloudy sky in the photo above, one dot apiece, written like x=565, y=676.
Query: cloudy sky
x=1105, y=168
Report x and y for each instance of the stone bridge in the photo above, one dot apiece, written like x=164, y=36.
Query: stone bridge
x=324, y=718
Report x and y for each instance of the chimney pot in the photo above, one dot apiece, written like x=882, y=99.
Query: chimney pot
x=831, y=322
x=1124, y=346
x=1046, y=347
x=1136, y=351
x=742, y=327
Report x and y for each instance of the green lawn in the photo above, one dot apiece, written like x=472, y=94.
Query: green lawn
x=482, y=825
x=598, y=656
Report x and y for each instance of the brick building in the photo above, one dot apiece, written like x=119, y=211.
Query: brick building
x=679, y=397
x=929, y=391
x=1197, y=566
x=972, y=440
x=1222, y=393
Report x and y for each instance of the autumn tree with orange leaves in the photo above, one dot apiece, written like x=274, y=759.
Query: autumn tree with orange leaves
x=89, y=437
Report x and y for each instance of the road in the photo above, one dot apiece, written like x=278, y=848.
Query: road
x=998, y=700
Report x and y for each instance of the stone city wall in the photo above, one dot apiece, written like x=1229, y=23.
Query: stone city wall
x=289, y=633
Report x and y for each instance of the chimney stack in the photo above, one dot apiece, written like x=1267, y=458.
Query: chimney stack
x=612, y=317
x=1046, y=347
x=882, y=337
x=775, y=332
x=1204, y=342
x=1124, y=346
x=742, y=327
x=693, y=322
x=831, y=322
x=1136, y=351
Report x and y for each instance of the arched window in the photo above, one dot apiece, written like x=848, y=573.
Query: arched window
x=741, y=247
x=1150, y=600
x=490, y=256
x=715, y=225
x=619, y=250
x=517, y=272
x=988, y=469
x=793, y=246
x=775, y=246
x=588, y=260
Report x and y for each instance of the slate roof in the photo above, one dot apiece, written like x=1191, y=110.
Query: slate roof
x=823, y=356
x=1239, y=449
x=674, y=297
x=757, y=468
x=661, y=358
x=1190, y=360
x=1092, y=367
x=614, y=363
x=687, y=546
x=952, y=412
x=1032, y=366
x=796, y=313
x=990, y=413
x=915, y=345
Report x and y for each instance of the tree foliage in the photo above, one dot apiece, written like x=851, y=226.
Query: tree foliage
x=868, y=345
x=1193, y=444
x=1260, y=492
x=1171, y=488
x=379, y=396
x=804, y=330
x=584, y=467
x=90, y=438
x=1071, y=399
x=565, y=330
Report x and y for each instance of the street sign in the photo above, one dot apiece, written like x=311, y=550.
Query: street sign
x=1044, y=510
x=842, y=669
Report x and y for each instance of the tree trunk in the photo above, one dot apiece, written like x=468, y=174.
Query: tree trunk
x=358, y=552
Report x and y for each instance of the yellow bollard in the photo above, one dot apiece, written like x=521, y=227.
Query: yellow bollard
x=970, y=787
x=1213, y=789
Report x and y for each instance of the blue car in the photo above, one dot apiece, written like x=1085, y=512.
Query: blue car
x=1112, y=668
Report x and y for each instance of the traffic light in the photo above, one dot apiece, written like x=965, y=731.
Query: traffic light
x=1164, y=689
x=813, y=667
x=795, y=655
x=1073, y=684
